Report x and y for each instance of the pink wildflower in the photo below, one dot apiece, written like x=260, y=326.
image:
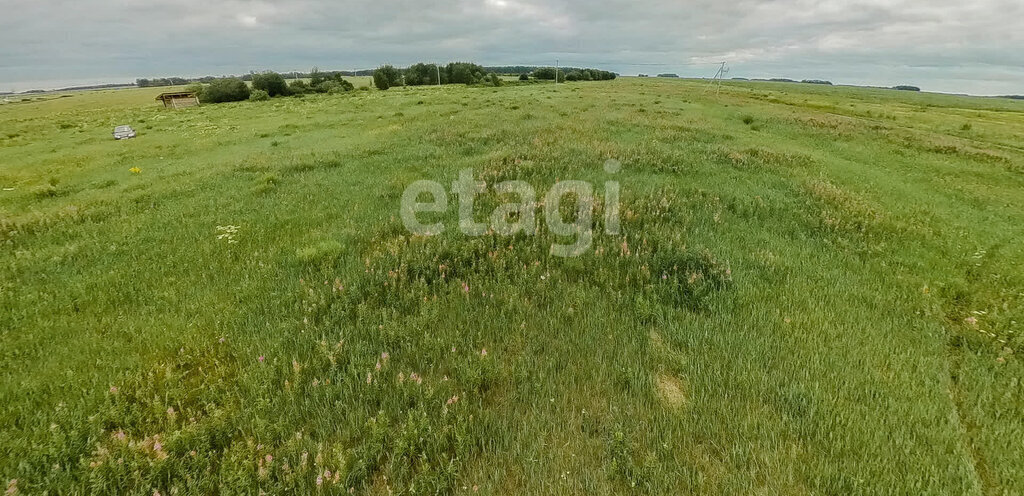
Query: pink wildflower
x=483, y=352
x=260, y=359
x=269, y=458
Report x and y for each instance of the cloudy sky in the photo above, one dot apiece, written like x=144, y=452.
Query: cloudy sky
x=960, y=46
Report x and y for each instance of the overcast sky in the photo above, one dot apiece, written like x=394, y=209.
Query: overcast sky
x=960, y=46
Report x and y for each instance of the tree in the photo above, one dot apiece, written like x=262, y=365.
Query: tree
x=546, y=73
x=315, y=77
x=465, y=73
x=271, y=82
x=340, y=85
x=225, y=90
x=386, y=76
x=524, y=76
x=259, y=96
x=419, y=74
x=298, y=87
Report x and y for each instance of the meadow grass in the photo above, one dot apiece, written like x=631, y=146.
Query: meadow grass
x=817, y=290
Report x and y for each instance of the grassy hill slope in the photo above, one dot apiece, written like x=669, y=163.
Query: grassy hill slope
x=816, y=291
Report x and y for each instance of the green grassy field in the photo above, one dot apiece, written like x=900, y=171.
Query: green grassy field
x=816, y=290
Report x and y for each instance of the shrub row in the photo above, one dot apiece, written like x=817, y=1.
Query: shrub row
x=267, y=85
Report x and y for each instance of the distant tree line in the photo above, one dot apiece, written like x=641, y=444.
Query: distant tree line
x=573, y=74
x=179, y=81
x=416, y=74
x=266, y=85
x=904, y=87
x=172, y=81
x=388, y=76
x=589, y=75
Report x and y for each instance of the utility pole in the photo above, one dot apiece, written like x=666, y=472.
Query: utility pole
x=438, y=67
x=718, y=77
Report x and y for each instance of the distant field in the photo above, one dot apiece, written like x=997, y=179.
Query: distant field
x=816, y=290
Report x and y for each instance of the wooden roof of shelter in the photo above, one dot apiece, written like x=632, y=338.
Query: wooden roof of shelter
x=165, y=97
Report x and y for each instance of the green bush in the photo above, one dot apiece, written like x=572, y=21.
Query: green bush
x=271, y=82
x=333, y=86
x=259, y=96
x=524, y=77
x=316, y=77
x=328, y=82
x=225, y=90
x=342, y=87
x=196, y=88
x=298, y=87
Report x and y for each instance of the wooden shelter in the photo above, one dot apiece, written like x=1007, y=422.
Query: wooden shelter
x=178, y=99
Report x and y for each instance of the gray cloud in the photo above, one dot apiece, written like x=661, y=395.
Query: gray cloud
x=940, y=45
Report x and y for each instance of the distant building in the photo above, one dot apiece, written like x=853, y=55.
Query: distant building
x=178, y=99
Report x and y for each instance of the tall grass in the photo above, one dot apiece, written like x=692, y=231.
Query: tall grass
x=805, y=297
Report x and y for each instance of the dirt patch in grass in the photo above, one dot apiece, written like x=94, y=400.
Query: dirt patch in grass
x=671, y=390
